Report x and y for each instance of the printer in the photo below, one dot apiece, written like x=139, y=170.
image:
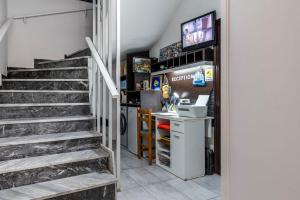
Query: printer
x=197, y=110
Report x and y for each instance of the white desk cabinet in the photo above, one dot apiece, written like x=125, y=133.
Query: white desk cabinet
x=186, y=152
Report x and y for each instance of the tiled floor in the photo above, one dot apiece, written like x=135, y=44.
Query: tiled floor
x=142, y=182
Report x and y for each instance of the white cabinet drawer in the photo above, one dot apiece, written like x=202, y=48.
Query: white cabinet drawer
x=177, y=126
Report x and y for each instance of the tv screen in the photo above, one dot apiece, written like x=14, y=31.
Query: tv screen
x=198, y=32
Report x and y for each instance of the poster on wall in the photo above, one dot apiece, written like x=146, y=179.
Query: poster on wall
x=142, y=65
x=209, y=74
x=156, y=82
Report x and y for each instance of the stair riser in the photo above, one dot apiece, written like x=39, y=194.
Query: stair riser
x=43, y=111
x=50, y=74
x=37, y=61
x=18, y=130
x=102, y=193
x=45, y=85
x=31, y=176
x=40, y=149
x=42, y=97
x=85, y=52
x=66, y=63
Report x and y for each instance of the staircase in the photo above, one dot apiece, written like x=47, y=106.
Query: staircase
x=49, y=147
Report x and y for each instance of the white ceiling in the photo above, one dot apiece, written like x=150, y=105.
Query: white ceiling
x=143, y=22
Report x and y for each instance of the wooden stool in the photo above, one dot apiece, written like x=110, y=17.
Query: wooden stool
x=145, y=115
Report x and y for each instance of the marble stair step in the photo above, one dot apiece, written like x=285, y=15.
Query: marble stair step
x=84, y=185
x=17, y=111
x=48, y=73
x=38, y=145
x=71, y=62
x=79, y=53
x=25, y=171
x=45, y=84
x=43, y=96
x=46, y=125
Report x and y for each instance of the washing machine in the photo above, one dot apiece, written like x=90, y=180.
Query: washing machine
x=124, y=126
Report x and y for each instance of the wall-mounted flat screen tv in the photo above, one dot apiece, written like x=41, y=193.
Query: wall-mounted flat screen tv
x=199, y=32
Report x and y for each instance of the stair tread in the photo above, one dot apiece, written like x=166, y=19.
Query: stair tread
x=50, y=189
x=47, y=69
x=45, y=91
x=50, y=160
x=46, y=119
x=43, y=104
x=33, y=139
x=62, y=60
x=36, y=80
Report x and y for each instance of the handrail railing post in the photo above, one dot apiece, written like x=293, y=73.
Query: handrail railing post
x=118, y=65
x=104, y=59
x=110, y=111
x=3, y=31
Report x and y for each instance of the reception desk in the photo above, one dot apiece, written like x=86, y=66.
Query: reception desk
x=180, y=144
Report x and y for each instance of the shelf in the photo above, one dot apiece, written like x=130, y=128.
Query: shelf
x=164, y=155
x=182, y=67
x=168, y=168
x=200, y=55
x=162, y=160
x=162, y=149
x=164, y=141
x=165, y=127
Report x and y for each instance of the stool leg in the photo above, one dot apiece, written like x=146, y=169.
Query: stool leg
x=140, y=148
x=150, y=148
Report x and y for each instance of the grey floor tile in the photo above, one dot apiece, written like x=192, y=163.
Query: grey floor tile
x=139, y=181
x=218, y=198
x=160, y=172
x=127, y=182
x=124, y=166
x=138, y=193
x=132, y=162
x=164, y=191
x=212, y=183
x=125, y=153
x=192, y=189
x=142, y=176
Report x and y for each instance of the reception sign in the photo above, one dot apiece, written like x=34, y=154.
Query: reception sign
x=191, y=82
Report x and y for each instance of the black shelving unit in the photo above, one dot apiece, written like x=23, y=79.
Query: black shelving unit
x=206, y=54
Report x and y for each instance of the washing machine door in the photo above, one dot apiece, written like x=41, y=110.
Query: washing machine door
x=124, y=136
x=123, y=124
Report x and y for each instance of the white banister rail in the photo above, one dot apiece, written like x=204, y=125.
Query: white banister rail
x=4, y=28
x=104, y=67
x=109, y=82
x=3, y=48
x=51, y=13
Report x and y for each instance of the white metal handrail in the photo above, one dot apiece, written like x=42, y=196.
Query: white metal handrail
x=3, y=63
x=4, y=28
x=109, y=82
x=50, y=14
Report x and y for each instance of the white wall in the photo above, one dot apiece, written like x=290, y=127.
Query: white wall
x=143, y=22
x=264, y=111
x=46, y=37
x=3, y=43
x=188, y=9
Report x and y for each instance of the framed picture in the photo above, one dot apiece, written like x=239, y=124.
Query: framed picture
x=142, y=65
x=156, y=82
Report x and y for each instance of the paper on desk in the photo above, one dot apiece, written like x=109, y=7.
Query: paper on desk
x=202, y=100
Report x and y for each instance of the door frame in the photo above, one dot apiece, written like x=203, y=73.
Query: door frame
x=225, y=102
